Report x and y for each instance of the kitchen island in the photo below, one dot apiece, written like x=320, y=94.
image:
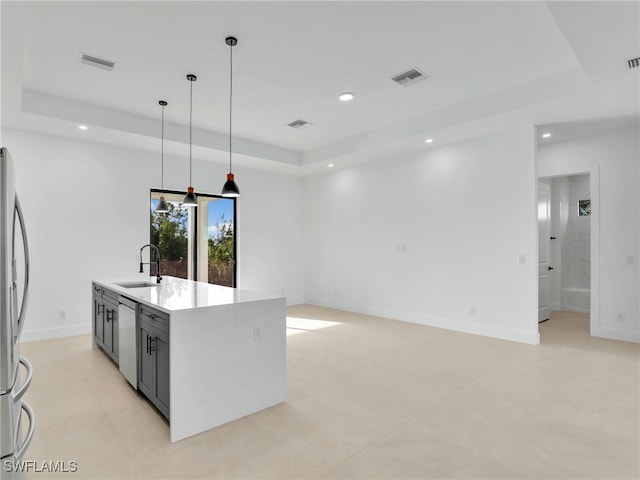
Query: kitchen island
x=205, y=354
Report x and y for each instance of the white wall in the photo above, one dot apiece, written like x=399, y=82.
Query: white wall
x=463, y=214
x=86, y=207
x=614, y=156
x=427, y=237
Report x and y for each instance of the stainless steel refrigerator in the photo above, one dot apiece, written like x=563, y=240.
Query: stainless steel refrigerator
x=15, y=371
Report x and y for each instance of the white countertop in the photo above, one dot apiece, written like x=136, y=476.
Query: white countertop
x=174, y=294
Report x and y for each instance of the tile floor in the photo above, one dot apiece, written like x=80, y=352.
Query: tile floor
x=367, y=398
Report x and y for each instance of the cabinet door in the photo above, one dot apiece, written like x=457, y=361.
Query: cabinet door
x=160, y=346
x=145, y=361
x=98, y=318
x=108, y=326
x=115, y=344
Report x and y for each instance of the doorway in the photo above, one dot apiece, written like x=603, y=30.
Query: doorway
x=568, y=245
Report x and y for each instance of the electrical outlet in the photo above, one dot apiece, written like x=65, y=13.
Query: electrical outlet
x=522, y=259
x=63, y=314
x=472, y=311
x=621, y=317
x=631, y=260
x=257, y=333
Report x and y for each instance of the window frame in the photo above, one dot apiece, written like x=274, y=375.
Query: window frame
x=193, y=230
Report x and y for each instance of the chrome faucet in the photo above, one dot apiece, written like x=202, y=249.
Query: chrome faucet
x=151, y=245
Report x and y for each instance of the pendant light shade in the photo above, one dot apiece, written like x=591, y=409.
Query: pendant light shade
x=230, y=188
x=162, y=207
x=190, y=199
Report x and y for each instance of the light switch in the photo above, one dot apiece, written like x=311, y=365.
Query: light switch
x=257, y=333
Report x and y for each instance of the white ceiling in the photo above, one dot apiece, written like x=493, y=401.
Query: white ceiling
x=534, y=62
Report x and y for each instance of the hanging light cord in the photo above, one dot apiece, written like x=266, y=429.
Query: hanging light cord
x=190, y=115
x=162, y=151
x=230, y=98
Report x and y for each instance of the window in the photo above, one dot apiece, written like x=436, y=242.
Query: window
x=196, y=243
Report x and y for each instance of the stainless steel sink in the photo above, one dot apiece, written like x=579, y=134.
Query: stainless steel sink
x=137, y=284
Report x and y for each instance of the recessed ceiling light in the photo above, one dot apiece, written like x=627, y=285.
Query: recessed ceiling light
x=331, y=165
x=83, y=127
x=346, y=96
x=429, y=140
x=546, y=135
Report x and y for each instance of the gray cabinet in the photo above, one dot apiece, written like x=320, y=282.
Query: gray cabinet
x=153, y=357
x=161, y=377
x=105, y=320
x=145, y=359
x=110, y=326
x=98, y=315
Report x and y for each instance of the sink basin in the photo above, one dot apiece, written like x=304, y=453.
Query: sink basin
x=137, y=284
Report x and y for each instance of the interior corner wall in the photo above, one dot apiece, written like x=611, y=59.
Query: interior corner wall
x=616, y=155
x=86, y=210
x=435, y=238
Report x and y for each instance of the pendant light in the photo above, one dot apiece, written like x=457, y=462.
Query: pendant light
x=190, y=198
x=162, y=207
x=230, y=189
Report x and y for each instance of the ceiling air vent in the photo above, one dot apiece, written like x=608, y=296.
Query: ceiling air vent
x=97, y=62
x=299, y=124
x=634, y=62
x=409, y=77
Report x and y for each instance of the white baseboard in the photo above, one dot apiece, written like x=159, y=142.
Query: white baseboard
x=48, y=333
x=295, y=301
x=575, y=309
x=616, y=334
x=531, y=338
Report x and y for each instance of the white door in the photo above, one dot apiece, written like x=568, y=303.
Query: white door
x=544, y=269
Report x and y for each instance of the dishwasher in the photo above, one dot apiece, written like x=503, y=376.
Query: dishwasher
x=127, y=350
